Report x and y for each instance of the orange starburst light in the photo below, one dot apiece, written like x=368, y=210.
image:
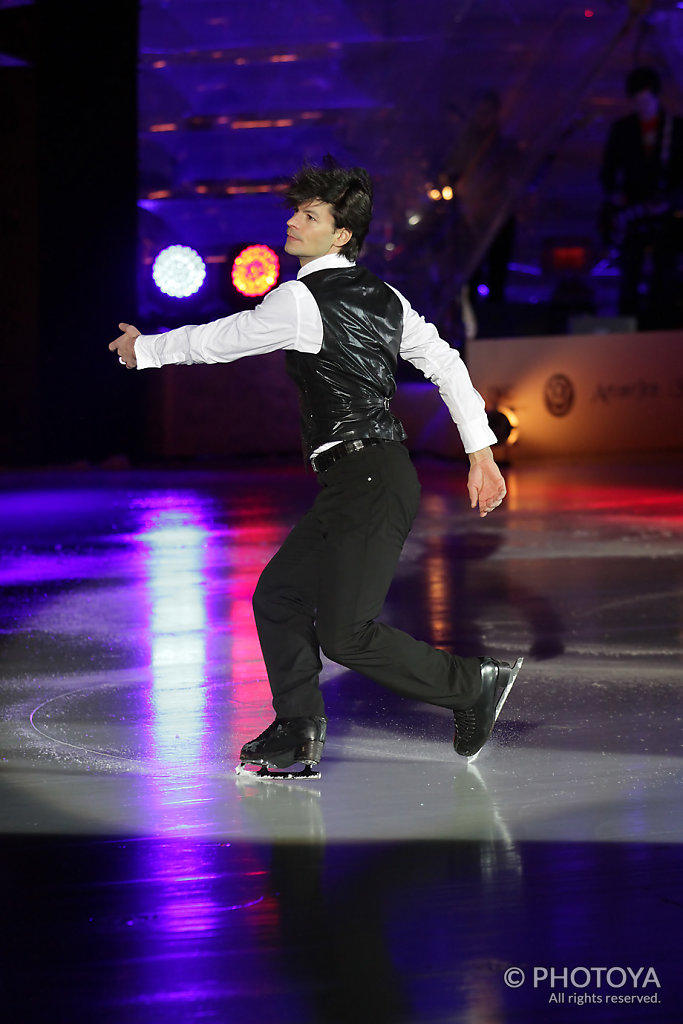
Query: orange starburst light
x=255, y=270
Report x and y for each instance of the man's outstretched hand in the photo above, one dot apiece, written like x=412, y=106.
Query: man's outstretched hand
x=125, y=345
x=485, y=483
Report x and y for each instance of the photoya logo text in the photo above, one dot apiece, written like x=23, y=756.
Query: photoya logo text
x=596, y=977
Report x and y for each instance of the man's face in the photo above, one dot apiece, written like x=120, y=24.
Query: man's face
x=645, y=104
x=311, y=232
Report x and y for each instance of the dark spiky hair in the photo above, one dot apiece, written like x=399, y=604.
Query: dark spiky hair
x=347, y=189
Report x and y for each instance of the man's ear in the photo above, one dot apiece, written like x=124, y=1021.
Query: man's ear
x=343, y=236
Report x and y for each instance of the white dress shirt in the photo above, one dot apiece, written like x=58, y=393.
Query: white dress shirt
x=289, y=318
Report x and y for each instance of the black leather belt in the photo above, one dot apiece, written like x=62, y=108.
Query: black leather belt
x=324, y=460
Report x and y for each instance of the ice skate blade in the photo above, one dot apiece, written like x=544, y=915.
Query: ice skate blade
x=503, y=697
x=266, y=774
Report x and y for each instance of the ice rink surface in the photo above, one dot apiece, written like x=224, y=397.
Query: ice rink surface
x=146, y=881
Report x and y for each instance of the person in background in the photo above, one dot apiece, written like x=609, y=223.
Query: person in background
x=642, y=177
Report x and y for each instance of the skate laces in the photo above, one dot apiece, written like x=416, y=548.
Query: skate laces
x=465, y=723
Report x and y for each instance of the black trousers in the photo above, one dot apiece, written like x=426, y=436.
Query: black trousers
x=325, y=586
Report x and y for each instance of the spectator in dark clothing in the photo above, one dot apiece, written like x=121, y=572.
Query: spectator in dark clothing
x=642, y=175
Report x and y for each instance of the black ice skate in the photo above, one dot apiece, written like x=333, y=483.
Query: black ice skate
x=474, y=725
x=285, y=743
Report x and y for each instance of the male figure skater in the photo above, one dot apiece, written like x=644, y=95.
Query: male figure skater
x=342, y=330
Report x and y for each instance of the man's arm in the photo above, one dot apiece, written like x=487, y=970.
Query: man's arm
x=422, y=345
x=276, y=323
x=424, y=348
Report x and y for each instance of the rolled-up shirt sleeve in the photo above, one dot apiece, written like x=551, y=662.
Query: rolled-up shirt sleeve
x=282, y=320
x=422, y=346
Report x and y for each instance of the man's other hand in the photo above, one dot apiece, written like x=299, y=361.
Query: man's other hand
x=485, y=483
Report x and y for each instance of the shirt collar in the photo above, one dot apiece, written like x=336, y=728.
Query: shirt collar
x=328, y=262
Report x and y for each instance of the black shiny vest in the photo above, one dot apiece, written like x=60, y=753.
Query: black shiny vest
x=345, y=390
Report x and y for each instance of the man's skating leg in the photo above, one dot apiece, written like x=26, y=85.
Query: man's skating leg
x=284, y=609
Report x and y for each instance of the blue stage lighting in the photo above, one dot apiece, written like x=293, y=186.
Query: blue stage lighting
x=179, y=271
